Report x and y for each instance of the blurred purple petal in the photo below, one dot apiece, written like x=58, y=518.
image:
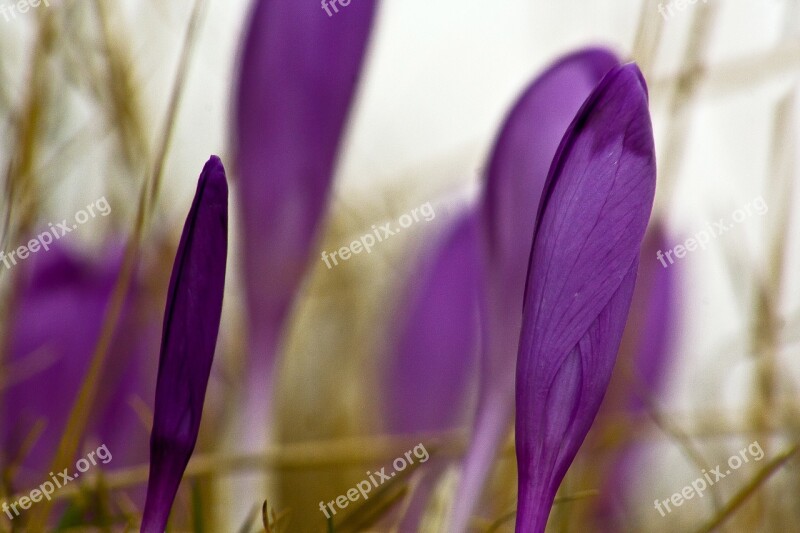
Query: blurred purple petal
x=299, y=72
x=524, y=151
x=62, y=299
x=436, y=352
x=517, y=171
x=654, y=312
x=191, y=325
x=592, y=218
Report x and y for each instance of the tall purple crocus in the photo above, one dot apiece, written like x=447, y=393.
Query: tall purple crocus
x=592, y=217
x=515, y=178
x=299, y=72
x=191, y=325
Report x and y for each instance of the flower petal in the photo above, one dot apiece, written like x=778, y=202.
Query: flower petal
x=436, y=352
x=654, y=312
x=62, y=297
x=299, y=72
x=591, y=221
x=191, y=325
x=524, y=151
x=515, y=179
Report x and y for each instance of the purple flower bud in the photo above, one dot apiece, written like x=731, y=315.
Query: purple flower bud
x=515, y=179
x=592, y=217
x=189, y=337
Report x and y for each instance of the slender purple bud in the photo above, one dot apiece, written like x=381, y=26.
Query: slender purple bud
x=191, y=325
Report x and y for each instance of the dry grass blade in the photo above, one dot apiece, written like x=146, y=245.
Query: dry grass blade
x=29, y=126
x=305, y=456
x=737, y=75
x=373, y=509
x=680, y=100
x=683, y=440
x=123, y=98
x=648, y=36
x=267, y=517
x=273, y=523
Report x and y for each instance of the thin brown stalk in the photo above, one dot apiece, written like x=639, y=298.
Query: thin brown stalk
x=648, y=37
x=684, y=442
x=679, y=105
x=313, y=455
x=737, y=75
x=123, y=98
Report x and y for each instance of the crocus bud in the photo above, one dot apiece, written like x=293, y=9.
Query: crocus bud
x=191, y=324
x=591, y=221
x=515, y=178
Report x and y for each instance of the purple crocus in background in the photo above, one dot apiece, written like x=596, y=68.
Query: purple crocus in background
x=191, y=325
x=433, y=363
x=299, y=72
x=651, y=324
x=62, y=296
x=435, y=353
x=515, y=178
x=592, y=217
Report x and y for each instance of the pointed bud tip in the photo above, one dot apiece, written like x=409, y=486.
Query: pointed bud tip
x=213, y=179
x=634, y=74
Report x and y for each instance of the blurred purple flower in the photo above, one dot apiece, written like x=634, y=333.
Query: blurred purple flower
x=61, y=297
x=436, y=351
x=299, y=72
x=435, y=354
x=642, y=365
x=591, y=221
x=654, y=311
x=516, y=175
x=191, y=325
